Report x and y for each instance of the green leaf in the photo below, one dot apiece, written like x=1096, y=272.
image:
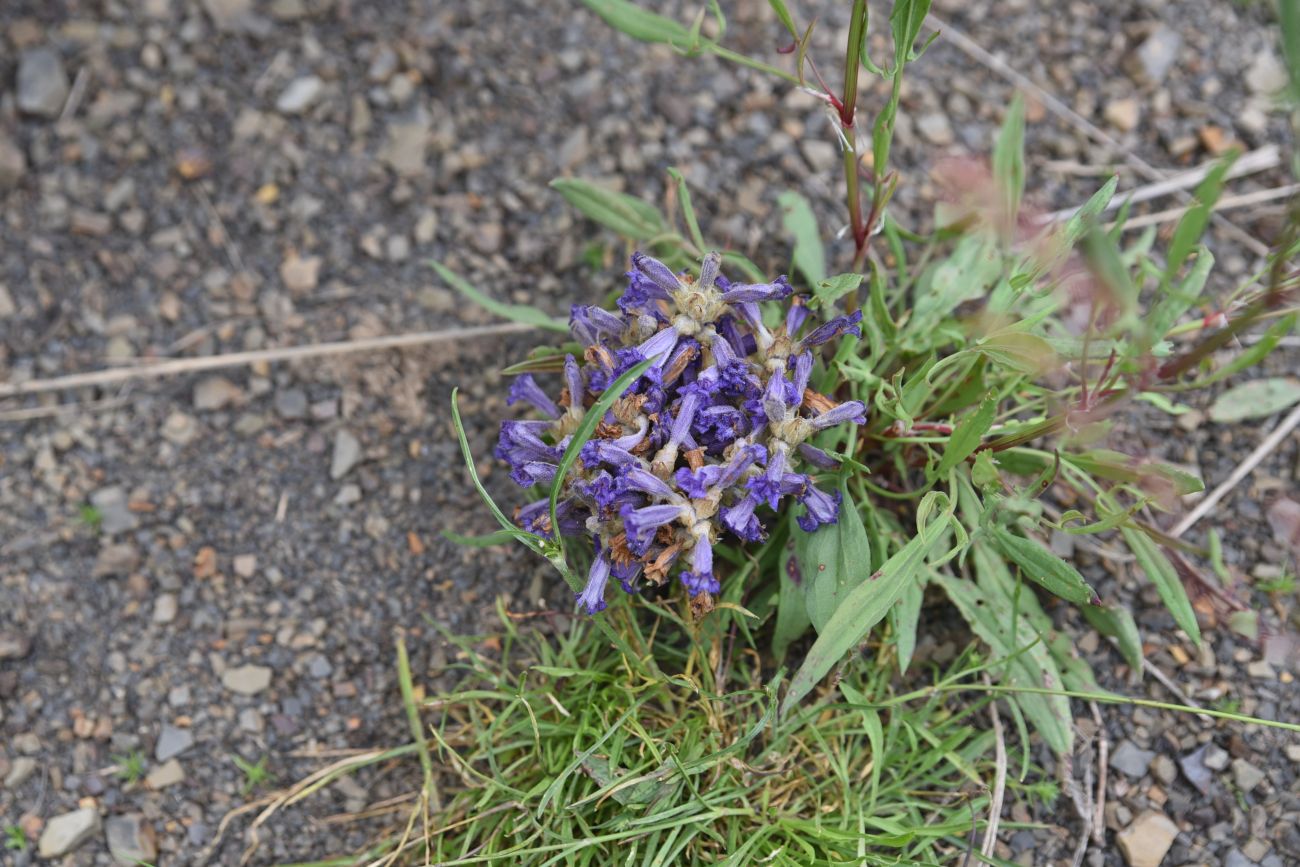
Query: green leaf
x=861, y=610
x=624, y=214
x=1173, y=302
x=1009, y=159
x=688, y=210
x=1268, y=341
x=833, y=560
x=1103, y=258
x=590, y=419
x=832, y=289
x=968, y=435
x=988, y=608
x=638, y=23
x=535, y=543
x=1086, y=216
x=1043, y=567
x=798, y=219
x=905, y=22
x=484, y=541
x=903, y=619
x=514, y=312
x=1289, y=17
x=1027, y=353
x=783, y=15
x=1163, y=575
x=1192, y=225
x=1117, y=622
x=1255, y=399
x=791, y=611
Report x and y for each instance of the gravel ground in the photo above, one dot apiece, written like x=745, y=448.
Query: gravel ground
x=181, y=178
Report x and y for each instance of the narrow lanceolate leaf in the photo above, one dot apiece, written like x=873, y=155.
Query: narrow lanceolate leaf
x=967, y=436
x=903, y=619
x=1192, y=225
x=791, y=611
x=784, y=16
x=1087, y=216
x=1163, y=575
x=1175, y=301
x=798, y=219
x=833, y=560
x=832, y=289
x=638, y=23
x=485, y=541
x=1255, y=399
x=1043, y=567
x=1027, y=353
x=905, y=22
x=590, y=419
x=624, y=214
x=1268, y=341
x=1104, y=260
x=1009, y=159
x=688, y=209
x=1117, y=622
x=988, y=610
x=861, y=610
x=514, y=312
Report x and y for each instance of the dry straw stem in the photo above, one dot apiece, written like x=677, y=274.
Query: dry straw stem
x=178, y=366
x=969, y=47
x=1239, y=201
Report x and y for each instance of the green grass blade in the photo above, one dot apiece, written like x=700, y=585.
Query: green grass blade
x=514, y=312
x=1163, y=575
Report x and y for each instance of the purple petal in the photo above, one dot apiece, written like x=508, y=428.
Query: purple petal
x=696, y=483
x=851, y=410
x=740, y=462
x=641, y=525
x=593, y=595
x=795, y=317
x=709, y=269
x=591, y=324
x=639, y=479
x=596, y=452
x=700, y=577
x=748, y=293
x=659, y=273
x=822, y=508
x=573, y=379
x=659, y=346
x=525, y=388
x=740, y=520
x=834, y=328
x=534, y=473
x=817, y=457
x=803, y=364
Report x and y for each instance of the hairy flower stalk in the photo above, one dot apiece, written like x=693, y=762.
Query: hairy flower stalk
x=711, y=437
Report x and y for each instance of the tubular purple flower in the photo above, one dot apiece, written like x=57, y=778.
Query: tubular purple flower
x=752, y=317
x=832, y=329
x=740, y=462
x=776, y=398
x=709, y=269
x=748, y=293
x=596, y=452
x=659, y=346
x=627, y=573
x=700, y=577
x=638, y=479
x=593, y=595
x=795, y=317
x=590, y=324
x=525, y=388
x=803, y=365
x=851, y=410
x=573, y=379
x=696, y=483
x=740, y=519
x=532, y=473
x=817, y=457
x=822, y=508
x=641, y=525
x=685, y=415
x=632, y=440
x=659, y=273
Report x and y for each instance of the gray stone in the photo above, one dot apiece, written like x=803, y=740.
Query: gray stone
x=383, y=65
x=300, y=95
x=14, y=645
x=169, y=773
x=64, y=833
x=934, y=127
x=1237, y=858
x=131, y=839
x=407, y=141
x=42, y=83
x=1246, y=775
x=247, y=679
x=165, y=608
x=1145, y=842
x=216, y=392
x=13, y=163
x=348, y=494
x=7, y=306
x=1158, y=52
x=347, y=451
x=172, y=742
x=1131, y=760
x=1164, y=769
x=115, y=515
x=20, y=772
x=1267, y=74
x=291, y=403
x=320, y=666
x=1216, y=758
x=120, y=558
x=179, y=428
x=820, y=154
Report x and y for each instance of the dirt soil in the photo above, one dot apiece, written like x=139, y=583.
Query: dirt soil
x=209, y=566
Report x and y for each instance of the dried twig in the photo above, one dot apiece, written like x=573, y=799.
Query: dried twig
x=73, y=102
x=1223, y=204
x=973, y=50
x=1258, y=160
x=176, y=366
x=32, y=413
x=1243, y=469
x=999, y=781
x=1103, y=757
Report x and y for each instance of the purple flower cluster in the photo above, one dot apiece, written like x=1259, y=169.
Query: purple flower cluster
x=713, y=432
